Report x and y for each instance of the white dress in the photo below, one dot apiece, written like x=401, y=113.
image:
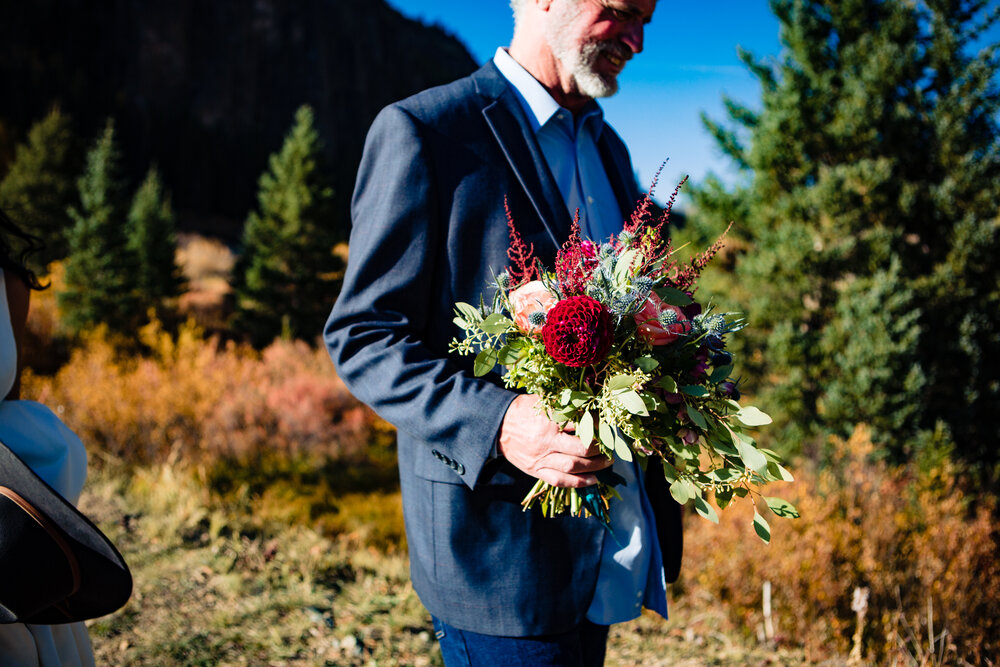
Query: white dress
x=39, y=437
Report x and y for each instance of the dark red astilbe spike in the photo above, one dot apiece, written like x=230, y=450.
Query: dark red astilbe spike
x=687, y=276
x=572, y=266
x=524, y=267
x=665, y=216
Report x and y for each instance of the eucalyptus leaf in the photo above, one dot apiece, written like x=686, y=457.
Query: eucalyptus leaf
x=673, y=296
x=696, y=418
x=622, y=450
x=632, y=402
x=681, y=491
x=606, y=435
x=667, y=383
x=761, y=527
x=782, y=507
x=646, y=364
x=751, y=416
x=619, y=382
x=724, y=475
x=720, y=374
x=723, y=447
x=653, y=402
x=703, y=508
x=507, y=355
x=771, y=455
x=585, y=428
x=495, y=324
x=469, y=312
x=564, y=396
x=779, y=472
x=485, y=361
x=751, y=456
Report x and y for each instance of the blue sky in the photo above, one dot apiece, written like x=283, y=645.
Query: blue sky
x=688, y=63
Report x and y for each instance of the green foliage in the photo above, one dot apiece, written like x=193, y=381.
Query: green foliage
x=868, y=213
x=153, y=242
x=100, y=270
x=40, y=185
x=288, y=275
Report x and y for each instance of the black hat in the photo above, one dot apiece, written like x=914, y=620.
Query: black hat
x=55, y=565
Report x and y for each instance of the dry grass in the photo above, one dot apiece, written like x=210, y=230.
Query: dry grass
x=215, y=585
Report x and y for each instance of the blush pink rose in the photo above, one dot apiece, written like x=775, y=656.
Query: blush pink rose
x=648, y=319
x=527, y=299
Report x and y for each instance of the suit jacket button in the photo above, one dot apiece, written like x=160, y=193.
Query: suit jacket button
x=461, y=469
x=436, y=453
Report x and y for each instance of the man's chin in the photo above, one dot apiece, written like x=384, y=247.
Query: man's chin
x=595, y=85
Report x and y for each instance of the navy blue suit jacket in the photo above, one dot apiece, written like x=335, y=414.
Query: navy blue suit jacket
x=429, y=229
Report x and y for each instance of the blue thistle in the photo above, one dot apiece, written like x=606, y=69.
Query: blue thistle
x=622, y=304
x=643, y=285
x=536, y=319
x=503, y=281
x=667, y=317
x=716, y=324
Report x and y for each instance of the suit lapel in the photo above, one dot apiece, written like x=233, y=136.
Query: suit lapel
x=518, y=143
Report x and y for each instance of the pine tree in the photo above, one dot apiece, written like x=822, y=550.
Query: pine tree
x=152, y=241
x=868, y=210
x=100, y=270
x=40, y=186
x=288, y=275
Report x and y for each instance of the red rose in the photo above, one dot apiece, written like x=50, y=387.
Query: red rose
x=578, y=331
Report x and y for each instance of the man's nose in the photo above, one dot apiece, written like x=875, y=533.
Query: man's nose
x=632, y=36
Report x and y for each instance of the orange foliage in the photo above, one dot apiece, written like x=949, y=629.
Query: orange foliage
x=906, y=537
x=204, y=400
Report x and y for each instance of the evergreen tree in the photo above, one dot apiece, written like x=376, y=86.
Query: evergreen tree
x=152, y=241
x=288, y=276
x=40, y=186
x=868, y=210
x=100, y=270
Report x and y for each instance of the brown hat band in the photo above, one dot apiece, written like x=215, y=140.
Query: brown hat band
x=50, y=529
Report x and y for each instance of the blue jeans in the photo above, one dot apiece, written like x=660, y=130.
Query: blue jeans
x=583, y=646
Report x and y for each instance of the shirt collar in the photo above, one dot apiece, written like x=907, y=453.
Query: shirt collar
x=536, y=101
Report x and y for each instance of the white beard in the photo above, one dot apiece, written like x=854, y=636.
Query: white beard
x=579, y=60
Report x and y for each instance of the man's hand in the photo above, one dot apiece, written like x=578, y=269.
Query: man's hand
x=534, y=444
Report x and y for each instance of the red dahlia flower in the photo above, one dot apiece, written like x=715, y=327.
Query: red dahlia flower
x=578, y=331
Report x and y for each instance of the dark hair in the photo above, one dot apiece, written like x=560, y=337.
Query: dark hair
x=15, y=263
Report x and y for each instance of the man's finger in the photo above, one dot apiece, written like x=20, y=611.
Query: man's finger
x=565, y=480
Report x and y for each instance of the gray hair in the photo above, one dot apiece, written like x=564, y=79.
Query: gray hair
x=517, y=6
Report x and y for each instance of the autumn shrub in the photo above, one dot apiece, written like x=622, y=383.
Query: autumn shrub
x=908, y=536
x=206, y=400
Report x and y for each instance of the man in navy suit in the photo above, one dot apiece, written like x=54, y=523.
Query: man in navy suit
x=429, y=229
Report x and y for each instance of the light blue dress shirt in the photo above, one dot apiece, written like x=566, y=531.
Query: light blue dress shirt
x=631, y=570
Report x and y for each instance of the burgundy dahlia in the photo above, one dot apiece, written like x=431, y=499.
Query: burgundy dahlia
x=578, y=331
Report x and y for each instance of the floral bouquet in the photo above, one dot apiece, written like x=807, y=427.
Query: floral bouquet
x=614, y=344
